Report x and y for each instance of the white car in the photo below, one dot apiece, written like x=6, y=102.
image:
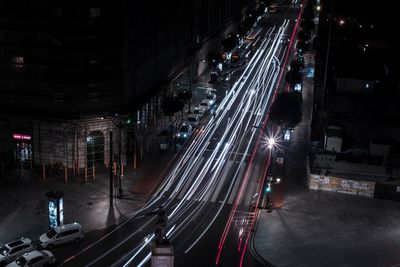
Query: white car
x=193, y=120
x=34, y=259
x=185, y=131
x=198, y=111
x=14, y=249
x=211, y=97
x=287, y=135
x=297, y=87
x=61, y=234
x=206, y=107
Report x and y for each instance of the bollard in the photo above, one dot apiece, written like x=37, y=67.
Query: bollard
x=134, y=160
x=44, y=172
x=65, y=174
x=86, y=173
x=94, y=173
x=22, y=168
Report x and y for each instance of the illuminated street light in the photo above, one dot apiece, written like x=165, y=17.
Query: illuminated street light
x=271, y=142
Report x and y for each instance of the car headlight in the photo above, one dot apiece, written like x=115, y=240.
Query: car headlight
x=184, y=135
x=179, y=135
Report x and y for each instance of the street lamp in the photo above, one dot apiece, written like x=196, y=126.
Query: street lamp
x=268, y=189
x=271, y=142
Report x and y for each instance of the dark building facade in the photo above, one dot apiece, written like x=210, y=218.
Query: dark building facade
x=69, y=69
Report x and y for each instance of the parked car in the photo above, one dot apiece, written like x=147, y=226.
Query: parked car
x=197, y=110
x=12, y=250
x=287, y=135
x=61, y=234
x=297, y=87
x=206, y=107
x=34, y=259
x=211, y=97
x=185, y=131
x=193, y=120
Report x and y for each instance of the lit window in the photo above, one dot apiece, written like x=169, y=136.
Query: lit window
x=94, y=12
x=56, y=12
x=18, y=60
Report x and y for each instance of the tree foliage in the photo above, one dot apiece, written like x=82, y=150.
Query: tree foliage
x=293, y=77
x=230, y=42
x=286, y=111
x=185, y=95
x=171, y=104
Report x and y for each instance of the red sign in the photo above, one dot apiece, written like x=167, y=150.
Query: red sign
x=21, y=137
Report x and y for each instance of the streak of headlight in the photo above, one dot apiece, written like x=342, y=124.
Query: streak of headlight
x=288, y=51
x=232, y=101
x=227, y=227
x=143, y=246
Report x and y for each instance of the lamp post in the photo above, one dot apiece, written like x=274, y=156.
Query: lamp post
x=270, y=181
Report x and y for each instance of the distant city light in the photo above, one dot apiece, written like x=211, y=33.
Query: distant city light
x=341, y=22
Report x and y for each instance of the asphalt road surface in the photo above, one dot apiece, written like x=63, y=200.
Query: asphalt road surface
x=211, y=192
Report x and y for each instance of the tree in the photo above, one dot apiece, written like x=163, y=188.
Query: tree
x=230, y=42
x=249, y=21
x=309, y=12
x=293, y=77
x=171, y=104
x=286, y=111
x=186, y=96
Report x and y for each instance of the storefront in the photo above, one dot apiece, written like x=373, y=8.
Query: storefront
x=22, y=150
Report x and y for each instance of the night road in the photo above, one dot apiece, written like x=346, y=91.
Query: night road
x=212, y=189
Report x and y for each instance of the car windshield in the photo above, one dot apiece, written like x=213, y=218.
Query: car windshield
x=4, y=250
x=184, y=129
x=210, y=97
x=21, y=261
x=204, y=104
x=51, y=233
x=192, y=119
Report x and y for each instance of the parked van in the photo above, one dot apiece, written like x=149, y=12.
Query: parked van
x=61, y=234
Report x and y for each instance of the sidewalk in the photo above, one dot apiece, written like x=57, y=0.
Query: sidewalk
x=309, y=228
x=328, y=229
x=24, y=211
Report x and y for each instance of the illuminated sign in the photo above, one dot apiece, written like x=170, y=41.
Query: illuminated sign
x=21, y=137
x=56, y=208
x=53, y=213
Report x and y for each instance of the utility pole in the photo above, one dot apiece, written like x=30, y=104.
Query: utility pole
x=111, y=170
x=326, y=66
x=119, y=194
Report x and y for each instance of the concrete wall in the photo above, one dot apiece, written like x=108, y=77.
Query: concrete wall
x=341, y=185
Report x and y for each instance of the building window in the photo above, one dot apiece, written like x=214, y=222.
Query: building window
x=95, y=12
x=56, y=12
x=18, y=61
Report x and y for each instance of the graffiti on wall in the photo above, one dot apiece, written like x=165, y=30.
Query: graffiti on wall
x=336, y=184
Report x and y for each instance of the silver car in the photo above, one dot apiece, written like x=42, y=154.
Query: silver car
x=34, y=259
x=193, y=119
x=14, y=249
